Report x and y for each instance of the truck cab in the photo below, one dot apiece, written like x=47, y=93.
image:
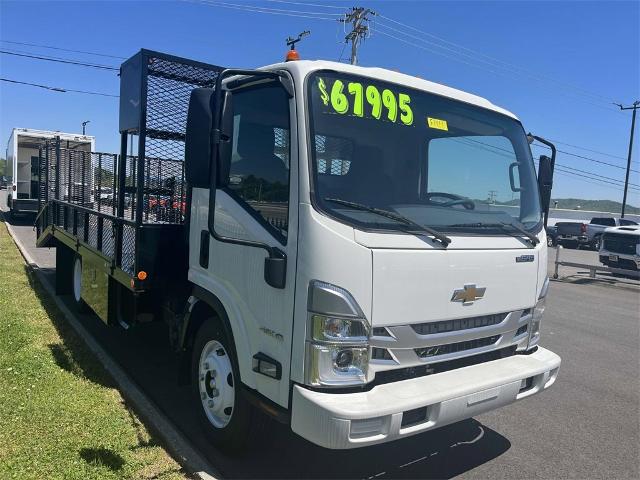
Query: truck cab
x=374, y=247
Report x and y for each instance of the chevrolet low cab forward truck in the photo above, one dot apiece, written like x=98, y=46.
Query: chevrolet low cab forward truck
x=356, y=252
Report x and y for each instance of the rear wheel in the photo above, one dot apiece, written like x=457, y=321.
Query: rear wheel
x=76, y=285
x=223, y=409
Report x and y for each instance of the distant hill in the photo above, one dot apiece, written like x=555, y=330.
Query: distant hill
x=582, y=204
x=596, y=205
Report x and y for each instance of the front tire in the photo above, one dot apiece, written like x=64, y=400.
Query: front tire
x=223, y=409
x=596, y=243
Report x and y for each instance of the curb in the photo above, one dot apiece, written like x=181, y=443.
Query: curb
x=174, y=441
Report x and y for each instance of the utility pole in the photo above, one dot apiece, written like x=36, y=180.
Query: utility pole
x=633, y=107
x=84, y=124
x=359, y=30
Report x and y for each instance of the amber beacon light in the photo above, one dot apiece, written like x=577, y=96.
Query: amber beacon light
x=292, y=53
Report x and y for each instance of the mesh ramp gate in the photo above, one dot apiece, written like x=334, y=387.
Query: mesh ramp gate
x=130, y=207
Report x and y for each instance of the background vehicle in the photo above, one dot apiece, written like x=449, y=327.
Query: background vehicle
x=23, y=155
x=3, y=182
x=571, y=234
x=308, y=273
x=597, y=226
x=620, y=247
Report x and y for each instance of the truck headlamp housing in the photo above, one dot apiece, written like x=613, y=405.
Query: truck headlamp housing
x=536, y=317
x=335, y=329
x=337, y=350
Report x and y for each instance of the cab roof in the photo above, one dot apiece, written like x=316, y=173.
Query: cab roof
x=304, y=67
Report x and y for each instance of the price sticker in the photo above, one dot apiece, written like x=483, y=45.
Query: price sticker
x=437, y=124
x=358, y=100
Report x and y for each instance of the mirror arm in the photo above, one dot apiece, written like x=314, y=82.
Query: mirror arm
x=546, y=142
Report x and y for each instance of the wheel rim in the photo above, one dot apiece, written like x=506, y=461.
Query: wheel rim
x=216, y=384
x=77, y=280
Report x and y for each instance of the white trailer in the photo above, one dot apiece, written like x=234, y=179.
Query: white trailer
x=22, y=164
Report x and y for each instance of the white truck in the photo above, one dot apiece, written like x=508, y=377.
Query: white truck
x=620, y=247
x=330, y=257
x=22, y=164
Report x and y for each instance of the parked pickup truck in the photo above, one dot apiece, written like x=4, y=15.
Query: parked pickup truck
x=571, y=234
x=620, y=247
x=598, y=225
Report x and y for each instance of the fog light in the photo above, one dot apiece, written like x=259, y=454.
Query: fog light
x=343, y=358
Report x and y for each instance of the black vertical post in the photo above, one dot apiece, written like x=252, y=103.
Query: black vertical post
x=635, y=106
x=114, y=186
x=57, y=188
x=40, y=192
x=122, y=177
x=69, y=178
x=99, y=181
x=46, y=182
x=84, y=180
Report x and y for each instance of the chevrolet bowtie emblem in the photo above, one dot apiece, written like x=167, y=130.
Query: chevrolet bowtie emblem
x=468, y=294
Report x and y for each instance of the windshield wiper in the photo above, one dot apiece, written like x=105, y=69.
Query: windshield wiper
x=504, y=226
x=443, y=239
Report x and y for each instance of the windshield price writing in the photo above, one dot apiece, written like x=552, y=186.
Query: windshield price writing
x=350, y=98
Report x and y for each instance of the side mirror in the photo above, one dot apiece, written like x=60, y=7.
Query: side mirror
x=545, y=182
x=197, y=151
x=225, y=142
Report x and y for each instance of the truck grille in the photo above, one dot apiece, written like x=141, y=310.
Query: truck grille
x=456, y=347
x=458, y=324
x=620, y=243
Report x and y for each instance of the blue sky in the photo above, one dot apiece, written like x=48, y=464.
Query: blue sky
x=564, y=62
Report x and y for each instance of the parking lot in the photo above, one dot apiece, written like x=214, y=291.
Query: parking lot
x=586, y=426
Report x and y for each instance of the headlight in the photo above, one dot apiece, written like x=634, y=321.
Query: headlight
x=337, y=350
x=335, y=329
x=536, y=317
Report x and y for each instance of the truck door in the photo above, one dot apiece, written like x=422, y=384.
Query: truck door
x=260, y=204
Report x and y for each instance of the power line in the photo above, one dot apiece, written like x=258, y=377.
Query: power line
x=305, y=4
x=255, y=9
x=63, y=49
x=595, y=182
x=588, y=149
x=489, y=148
x=61, y=60
x=486, y=67
x=589, y=159
x=477, y=53
x=59, y=89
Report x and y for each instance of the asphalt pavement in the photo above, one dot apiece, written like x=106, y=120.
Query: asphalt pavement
x=585, y=426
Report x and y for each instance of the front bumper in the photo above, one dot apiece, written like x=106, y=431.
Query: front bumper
x=351, y=420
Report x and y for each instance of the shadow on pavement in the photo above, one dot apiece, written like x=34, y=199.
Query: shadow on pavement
x=275, y=451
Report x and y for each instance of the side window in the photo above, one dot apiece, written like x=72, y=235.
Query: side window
x=259, y=173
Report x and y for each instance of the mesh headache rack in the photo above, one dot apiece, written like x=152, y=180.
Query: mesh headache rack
x=129, y=208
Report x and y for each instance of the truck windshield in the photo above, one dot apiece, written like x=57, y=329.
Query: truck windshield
x=439, y=162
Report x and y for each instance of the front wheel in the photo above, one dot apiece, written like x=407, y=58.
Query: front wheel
x=224, y=411
x=596, y=243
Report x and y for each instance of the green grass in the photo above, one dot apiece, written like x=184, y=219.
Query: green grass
x=60, y=414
